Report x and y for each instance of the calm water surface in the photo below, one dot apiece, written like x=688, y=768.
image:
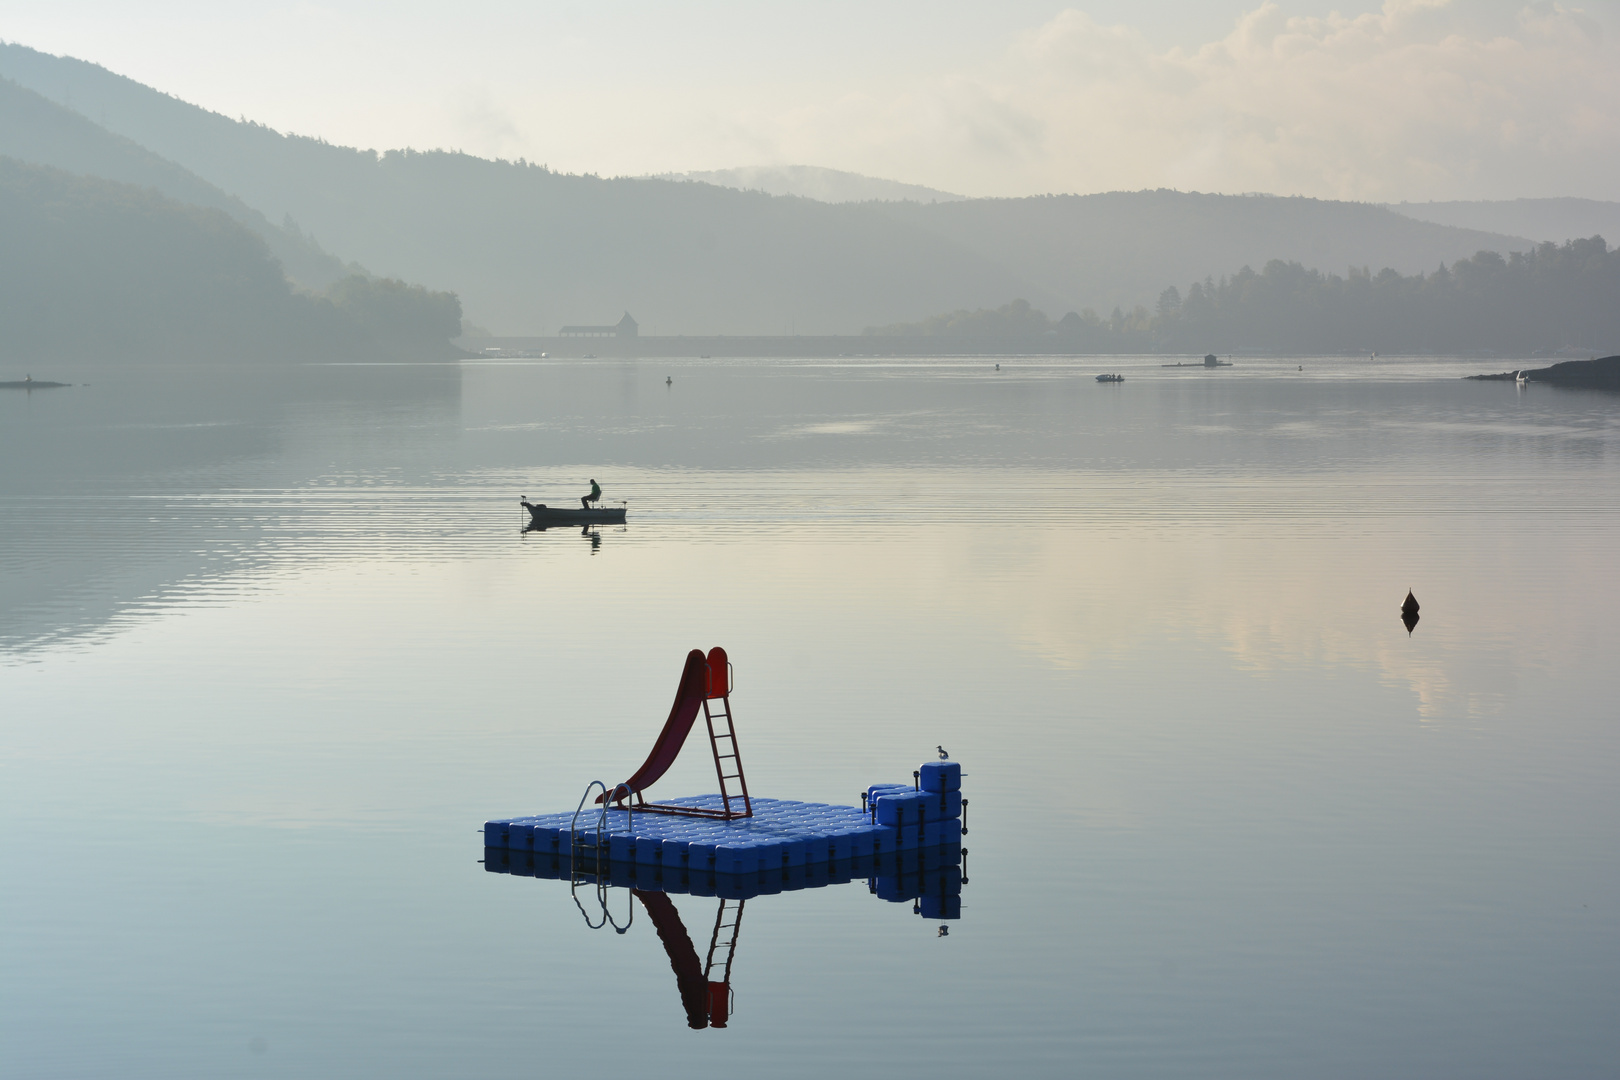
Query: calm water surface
x=272, y=647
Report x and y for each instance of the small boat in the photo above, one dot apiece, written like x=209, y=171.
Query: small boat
x=1111, y=378
x=544, y=517
x=1520, y=377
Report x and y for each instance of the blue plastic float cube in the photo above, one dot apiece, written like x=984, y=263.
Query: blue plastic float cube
x=940, y=775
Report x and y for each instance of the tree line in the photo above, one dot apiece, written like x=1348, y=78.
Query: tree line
x=1550, y=297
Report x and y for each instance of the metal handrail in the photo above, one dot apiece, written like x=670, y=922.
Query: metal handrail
x=588, y=923
x=574, y=822
x=602, y=885
x=629, y=907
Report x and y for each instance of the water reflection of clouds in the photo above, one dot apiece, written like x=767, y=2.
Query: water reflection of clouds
x=911, y=424
x=1308, y=604
x=832, y=427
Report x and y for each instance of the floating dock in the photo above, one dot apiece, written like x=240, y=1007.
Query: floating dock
x=781, y=833
x=731, y=840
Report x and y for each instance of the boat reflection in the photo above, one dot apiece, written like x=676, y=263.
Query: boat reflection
x=587, y=532
x=930, y=879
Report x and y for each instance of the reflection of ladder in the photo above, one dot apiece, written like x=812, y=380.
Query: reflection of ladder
x=727, y=762
x=722, y=950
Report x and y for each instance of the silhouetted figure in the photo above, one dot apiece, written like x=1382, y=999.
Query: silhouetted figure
x=669, y=380
x=586, y=500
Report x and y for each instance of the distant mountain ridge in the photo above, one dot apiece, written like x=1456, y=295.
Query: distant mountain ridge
x=1555, y=220
x=529, y=250
x=91, y=268
x=1122, y=248
x=814, y=182
x=40, y=131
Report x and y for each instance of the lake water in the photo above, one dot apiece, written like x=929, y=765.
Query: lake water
x=273, y=646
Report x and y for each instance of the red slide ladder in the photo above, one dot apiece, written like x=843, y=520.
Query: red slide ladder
x=718, y=717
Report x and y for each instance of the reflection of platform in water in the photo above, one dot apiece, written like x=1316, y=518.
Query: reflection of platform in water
x=930, y=878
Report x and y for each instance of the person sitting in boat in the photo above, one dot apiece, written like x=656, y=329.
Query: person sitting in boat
x=586, y=500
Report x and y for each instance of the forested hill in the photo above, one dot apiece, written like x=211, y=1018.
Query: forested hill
x=41, y=132
x=529, y=250
x=1553, y=297
x=1539, y=219
x=1123, y=247
x=94, y=269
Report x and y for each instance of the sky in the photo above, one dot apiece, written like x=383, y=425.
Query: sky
x=1403, y=100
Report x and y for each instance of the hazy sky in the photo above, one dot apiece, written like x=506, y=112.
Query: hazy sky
x=1410, y=99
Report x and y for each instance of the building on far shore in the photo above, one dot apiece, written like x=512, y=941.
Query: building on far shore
x=625, y=327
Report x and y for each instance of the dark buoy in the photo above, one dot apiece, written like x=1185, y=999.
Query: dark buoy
x=1409, y=613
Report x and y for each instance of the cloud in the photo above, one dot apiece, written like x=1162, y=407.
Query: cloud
x=1420, y=99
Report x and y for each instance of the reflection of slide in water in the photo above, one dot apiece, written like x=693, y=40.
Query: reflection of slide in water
x=930, y=879
x=707, y=1001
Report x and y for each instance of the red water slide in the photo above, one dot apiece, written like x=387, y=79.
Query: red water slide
x=688, y=700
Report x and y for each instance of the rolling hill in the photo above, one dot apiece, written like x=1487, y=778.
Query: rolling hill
x=528, y=249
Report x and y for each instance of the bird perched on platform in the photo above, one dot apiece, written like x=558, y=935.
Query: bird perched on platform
x=943, y=756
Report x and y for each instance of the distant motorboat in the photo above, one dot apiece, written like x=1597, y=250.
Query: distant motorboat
x=1210, y=361
x=1110, y=378
x=1520, y=377
x=31, y=383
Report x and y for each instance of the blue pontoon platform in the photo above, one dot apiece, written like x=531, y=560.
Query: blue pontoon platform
x=780, y=833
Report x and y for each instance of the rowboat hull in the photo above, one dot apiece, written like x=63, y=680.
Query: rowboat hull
x=544, y=517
